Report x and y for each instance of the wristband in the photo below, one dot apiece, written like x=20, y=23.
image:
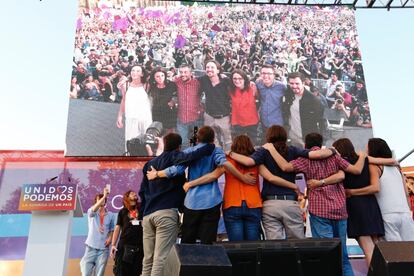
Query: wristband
x=323, y=182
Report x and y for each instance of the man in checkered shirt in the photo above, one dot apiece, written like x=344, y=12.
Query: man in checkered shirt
x=327, y=204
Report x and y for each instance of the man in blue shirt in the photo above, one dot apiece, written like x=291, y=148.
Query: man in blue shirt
x=160, y=201
x=271, y=92
x=202, y=203
x=100, y=228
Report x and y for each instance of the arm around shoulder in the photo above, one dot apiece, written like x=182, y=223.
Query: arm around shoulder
x=374, y=185
x=281, y=162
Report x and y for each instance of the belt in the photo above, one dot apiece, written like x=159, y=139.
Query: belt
x=218, y=116
x=281, y=197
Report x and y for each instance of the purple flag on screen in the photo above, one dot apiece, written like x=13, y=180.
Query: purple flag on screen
x=79, y=24
x=216, y=28
x=106, y=15
x=180, y=41
x=155, y=14
x=120, y=24
x=245, y=32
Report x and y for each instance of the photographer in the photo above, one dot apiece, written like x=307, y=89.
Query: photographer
x=149, y=143
x=331, y=89
x=343, y=96
x=361, y=116
x=339, y=105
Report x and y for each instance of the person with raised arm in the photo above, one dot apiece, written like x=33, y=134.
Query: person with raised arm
x=100, y=229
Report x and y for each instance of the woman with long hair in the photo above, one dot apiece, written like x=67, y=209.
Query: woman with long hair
x=135, y=104
x=129, y=252
x=163, y=93
x=242, y=204
x=74, y=88
x=364, y=215
x=388, y=185
x=244, y=116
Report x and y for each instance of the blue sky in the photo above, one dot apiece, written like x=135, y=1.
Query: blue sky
x=36, y=52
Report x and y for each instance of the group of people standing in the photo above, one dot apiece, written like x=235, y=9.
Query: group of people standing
x=349, y=194
x=231, y=105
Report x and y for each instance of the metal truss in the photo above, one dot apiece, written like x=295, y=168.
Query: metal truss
x=356, y=4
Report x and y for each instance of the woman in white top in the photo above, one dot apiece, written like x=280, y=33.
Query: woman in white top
x=387, y=182
x=135, y=104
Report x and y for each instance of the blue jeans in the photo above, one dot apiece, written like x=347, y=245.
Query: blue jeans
x=331, y=228
x=242, y=223
x=94, y=258
x=185, y=129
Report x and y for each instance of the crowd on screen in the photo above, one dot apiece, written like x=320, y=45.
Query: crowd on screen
x=321, y=44
x=348, y=194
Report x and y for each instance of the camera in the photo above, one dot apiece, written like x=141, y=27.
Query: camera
x=339, y=101
x=136, y=146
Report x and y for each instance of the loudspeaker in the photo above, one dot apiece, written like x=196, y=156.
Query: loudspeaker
x=285, y=257
x=392, y=259
x=198, y=260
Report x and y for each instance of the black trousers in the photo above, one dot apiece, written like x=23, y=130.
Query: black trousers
x=122, y=268
x=200, y=224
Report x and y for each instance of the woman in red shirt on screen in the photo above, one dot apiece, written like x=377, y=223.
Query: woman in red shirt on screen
x=244, y=116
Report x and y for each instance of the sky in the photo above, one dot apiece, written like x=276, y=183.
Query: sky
x=37, y=39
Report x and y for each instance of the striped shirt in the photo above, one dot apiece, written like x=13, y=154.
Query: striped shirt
x=326, y=201
x=189, y=100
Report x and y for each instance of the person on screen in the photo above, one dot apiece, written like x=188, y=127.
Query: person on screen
x=91, y=88
x=74, y=92
x=244, y=116
x=164, y=97
x=315, y=91
x=216, y=88
x=190, y=109
x=302, y=111
x=128, y=251
x=388, y=185
x=135, y=104
x=101, y=225
x=360, y=112
x=331, y=86
x=271, y=92
x=105, y=85
x=281, y=217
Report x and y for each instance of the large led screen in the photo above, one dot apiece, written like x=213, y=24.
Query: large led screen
x=145, y=68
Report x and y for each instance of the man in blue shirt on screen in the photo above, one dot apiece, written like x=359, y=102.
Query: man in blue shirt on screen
x=202, y=203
